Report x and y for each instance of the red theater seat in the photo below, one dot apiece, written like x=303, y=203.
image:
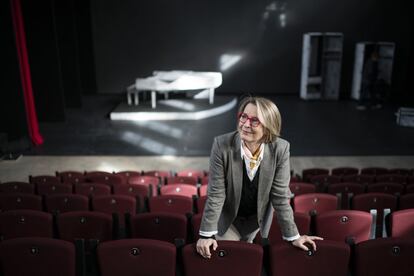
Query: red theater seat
x=92, y=189
x=86, y=225
x=20, y=201
x=384, y=256
x=131, y=257
x=300, y=188
x=341, y=171
x=330, y=258
x=171, y=204
x=316, y=203
x=344, y=226
x=179, y=190
x=66, y=203
x=25, y=223
x=37, y=256
x=17, y=187
x=308, y=173
x=402, y=224
x=230, y=258
x=160, y=226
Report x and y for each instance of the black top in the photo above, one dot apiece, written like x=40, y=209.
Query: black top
x=248, y=201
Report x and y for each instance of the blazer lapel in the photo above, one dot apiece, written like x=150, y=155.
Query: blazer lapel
x=237, y=170
x=265, y=178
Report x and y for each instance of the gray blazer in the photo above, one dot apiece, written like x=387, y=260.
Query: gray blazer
x=225, y=185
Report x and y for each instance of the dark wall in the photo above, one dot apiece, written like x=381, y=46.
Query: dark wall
x=86, y=60
x=133, y=38
x=12, y=111
x=68, y=51
x=43, y=52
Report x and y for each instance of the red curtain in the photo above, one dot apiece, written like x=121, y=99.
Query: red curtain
x=20, y=35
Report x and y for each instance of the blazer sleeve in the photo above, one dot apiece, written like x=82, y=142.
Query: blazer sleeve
x=281, y=194
x=216, y=192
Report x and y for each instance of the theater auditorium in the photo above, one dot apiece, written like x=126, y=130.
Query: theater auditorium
x=114, y=117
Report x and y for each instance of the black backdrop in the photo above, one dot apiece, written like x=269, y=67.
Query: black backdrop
x=79, y=47
x=133, y=38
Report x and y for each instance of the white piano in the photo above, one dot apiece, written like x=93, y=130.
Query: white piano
x=172, y=81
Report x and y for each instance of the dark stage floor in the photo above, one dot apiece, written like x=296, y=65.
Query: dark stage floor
x=315, y=128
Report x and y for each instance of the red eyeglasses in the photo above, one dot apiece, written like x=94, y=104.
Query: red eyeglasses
x=254, y=121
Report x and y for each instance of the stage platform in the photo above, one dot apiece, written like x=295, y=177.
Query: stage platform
x=174, y=109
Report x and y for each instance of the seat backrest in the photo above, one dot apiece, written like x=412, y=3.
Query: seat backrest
x=384, y=256
x=394, y=178
x=308, y=173
x=202, y=190
x=109, y=179
x=71, y=177
x=375, y=201
x=47, y=188
x=204, y=180
x=158, y=173
x=409, y=189
x=161, y=175
x=92, y=189
x=182, y=180
x=230, y=258
x=192, y=173
x=127, y=174
x=302, y=221
x=402, y=224
x=341, y=171
x=159, y=226
x=386, y=187
x=25, y=223
x=17, y=187
x=195, y=225
x=133, y=190
x=359, y=178
x=84, y=225
x=330, y=258
x=300, y=188
x=346, y=187
x=179, y=189
x=20, y=201
x=378, y=201
x=171, y=204
x=315, y=203
x=51, y=179
x=374, y=170
x=406, y=201
x=341, y=225
x=200, y=203
x=114, y=204
x=130, y=257
x=66, y=203
x=399, y=171
x=150, y=181
x=37, y=256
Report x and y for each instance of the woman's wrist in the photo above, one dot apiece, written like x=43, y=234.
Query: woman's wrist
x=205, y=237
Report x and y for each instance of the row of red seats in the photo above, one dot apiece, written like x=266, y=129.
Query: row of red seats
x=305, y=203
x=348, y=226
x=355, y=188
x=388, y=256
x=345, y=171
x=143, y=187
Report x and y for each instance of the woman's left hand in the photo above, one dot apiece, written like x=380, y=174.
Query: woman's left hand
x=306, y=239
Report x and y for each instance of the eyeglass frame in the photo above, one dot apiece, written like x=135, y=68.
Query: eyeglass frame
x=248, y=119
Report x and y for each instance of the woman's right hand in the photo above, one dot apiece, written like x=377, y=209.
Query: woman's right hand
x=203, y=247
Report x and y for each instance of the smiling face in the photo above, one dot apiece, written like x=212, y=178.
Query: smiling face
x=248, y=133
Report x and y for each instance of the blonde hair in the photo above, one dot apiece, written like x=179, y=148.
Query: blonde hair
x=268, y=114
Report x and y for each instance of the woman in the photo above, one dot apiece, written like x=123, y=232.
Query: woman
x=249, y=174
